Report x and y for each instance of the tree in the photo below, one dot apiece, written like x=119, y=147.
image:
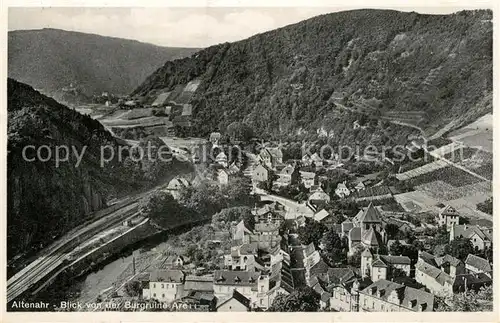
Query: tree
x=206, y=199
x=133, y=288
x=304, y=299
x=230, y=214
x=239, y=131
x=238, y=191
x=312, y=231
x=470, y=301
x=161, y=208
x=355, y=259
x=392, y=230
x=335, y=248
x=460, y=248
x=155, y=158
x=486, y=206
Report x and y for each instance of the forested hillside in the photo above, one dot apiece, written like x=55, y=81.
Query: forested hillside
x=45, y=199
x=425, y=70
x=51, y=59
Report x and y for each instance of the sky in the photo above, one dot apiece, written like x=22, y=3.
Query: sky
x=175, y=27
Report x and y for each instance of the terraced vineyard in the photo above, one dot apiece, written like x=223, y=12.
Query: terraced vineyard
x=443, y=191
x=448, y=174
x=422, y=170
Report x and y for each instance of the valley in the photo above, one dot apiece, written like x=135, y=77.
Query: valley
x=277, y=173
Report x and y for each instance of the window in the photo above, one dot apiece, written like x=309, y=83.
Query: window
x=373, y=304
x=154, y=285
x=382, y=307
x=261, y=301
x=364, y=302
x=162, y=295
x=161, y=285
x=154, y=294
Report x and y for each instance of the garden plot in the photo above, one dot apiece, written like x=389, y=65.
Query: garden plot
x=417, y=201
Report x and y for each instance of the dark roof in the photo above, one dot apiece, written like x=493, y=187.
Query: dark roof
x=478, y=262
x=396, y=260
x=378, y=263
x=447, y=259
x=471, y=280
x=408, y=297
x=173, y=276
x=320, y=268
x=373, y=191
x=449, y=211
x=239, y=297
x=338, y=275
x=467, y=231
x=427, y=257
x=371, y=237
x=240, y=278
x=199, y=283
x=355, y=234
x=370, y=215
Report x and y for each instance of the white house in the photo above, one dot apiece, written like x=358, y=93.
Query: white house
x=342, y=191
x=222, y=177
x=221, y=159
x=481, y=238
x=165, y=285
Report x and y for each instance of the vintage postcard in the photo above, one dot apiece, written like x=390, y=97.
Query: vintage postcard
x=241, y=159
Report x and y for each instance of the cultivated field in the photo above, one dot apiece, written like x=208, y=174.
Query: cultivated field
x=422, y=170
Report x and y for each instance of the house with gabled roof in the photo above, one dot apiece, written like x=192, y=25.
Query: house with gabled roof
x=480, y=237
x=387, y=296
x=165, y=285
x=475, y=264
x=378, y=267
x=236, y=303
x=444, y=276
x=448, y=216
x=321, y=216
x=261, y=173
x=344, y=285
x=342, y=191
x=271, y=156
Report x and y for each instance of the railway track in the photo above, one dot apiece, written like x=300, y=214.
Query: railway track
x=54, y=256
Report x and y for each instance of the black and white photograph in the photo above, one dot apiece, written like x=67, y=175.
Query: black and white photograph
x=249, y=159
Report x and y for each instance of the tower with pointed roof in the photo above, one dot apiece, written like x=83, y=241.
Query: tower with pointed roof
x=367, y=230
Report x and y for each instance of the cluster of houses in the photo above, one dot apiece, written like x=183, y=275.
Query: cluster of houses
x=260, y=263
x=254, y=272
x=393, y=282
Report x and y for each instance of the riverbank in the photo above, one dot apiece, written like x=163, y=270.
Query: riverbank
x=106, y=278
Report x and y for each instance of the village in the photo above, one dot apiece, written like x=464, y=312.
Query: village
x=345, y=234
